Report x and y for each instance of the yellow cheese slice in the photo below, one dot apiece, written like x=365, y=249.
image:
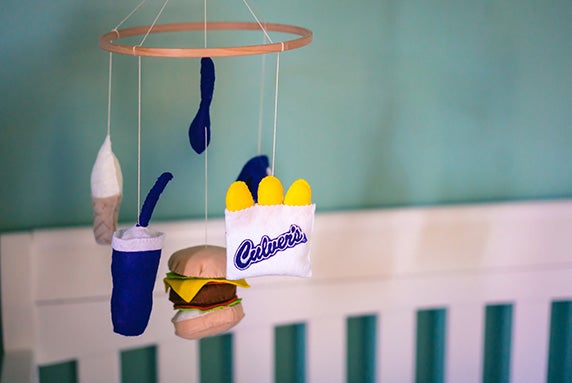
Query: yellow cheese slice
x=188, y=288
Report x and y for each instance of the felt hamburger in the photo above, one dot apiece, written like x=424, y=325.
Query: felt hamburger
x=206, y=302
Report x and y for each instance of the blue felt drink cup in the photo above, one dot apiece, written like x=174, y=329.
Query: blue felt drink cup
x=134, y=265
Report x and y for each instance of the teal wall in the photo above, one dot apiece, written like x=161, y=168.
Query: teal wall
x=395, y=103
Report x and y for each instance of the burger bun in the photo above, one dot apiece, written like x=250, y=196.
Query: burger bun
x=205, y=261
x=192, y=325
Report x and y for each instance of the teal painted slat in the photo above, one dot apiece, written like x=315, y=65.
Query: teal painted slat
x=59, y=373
x=560, y=349
x=430, y=346
x=139, y=365
x=290, y=353
x=215, y=359
x=361, y=349
x=497, y=344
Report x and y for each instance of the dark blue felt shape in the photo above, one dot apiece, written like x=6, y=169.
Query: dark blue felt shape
x=134, y=275
x=253, y=172
x=152, y=198
x=201, y=124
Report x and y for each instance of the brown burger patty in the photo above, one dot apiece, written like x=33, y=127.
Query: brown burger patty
x=209, y=294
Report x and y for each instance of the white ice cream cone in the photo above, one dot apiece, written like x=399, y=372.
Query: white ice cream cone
x=106, y=193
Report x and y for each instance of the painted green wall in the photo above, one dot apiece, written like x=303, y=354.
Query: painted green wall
x=395, y=103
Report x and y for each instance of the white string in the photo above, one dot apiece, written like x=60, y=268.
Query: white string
x=129, y=15
x=138, y=107
x=205, y=20
x=258, y=21
x=109, y=94
x=139, y=139
x=261, y=108
x=260, y=113
x=206, y=144
x=275, y=108
x=153, y=24
x=206, y=186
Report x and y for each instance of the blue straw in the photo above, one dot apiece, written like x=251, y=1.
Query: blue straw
x=152, y=198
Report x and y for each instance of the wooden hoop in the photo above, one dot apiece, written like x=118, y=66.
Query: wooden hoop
x=106, y=41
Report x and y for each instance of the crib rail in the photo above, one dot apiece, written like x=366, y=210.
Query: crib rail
x=19, y=367
x=386, y=263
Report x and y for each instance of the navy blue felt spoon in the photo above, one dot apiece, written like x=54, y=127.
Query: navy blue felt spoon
x=201, y=124
x=253, y=172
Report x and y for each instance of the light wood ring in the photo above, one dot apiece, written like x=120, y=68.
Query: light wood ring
x=106, y=41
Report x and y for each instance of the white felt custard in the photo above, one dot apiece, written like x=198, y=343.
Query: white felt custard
x=106, y=193
x=106, y=176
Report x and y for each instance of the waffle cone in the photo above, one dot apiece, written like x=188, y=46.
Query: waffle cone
x=105, y=215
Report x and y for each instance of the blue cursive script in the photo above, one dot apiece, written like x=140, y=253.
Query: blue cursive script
x=248, y=253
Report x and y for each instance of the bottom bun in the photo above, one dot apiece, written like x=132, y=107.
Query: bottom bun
x=209, y=324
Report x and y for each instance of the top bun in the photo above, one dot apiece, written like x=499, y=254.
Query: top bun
x=203, y=261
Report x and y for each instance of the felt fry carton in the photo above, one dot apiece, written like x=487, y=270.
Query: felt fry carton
x=134, y=264
x=106, y=193
x=273, y=236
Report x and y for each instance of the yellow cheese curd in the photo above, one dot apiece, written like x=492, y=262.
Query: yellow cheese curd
x=299, y=193
x=238, y=197
x=270, y=191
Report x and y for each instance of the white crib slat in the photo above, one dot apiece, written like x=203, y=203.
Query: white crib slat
x=326, y=348
x=17, y=298
x=531, y=322
x=396, y=346
x=19, y=367
x=178, y=360
x=253, y=352
x=463, y=362
x=99, y=368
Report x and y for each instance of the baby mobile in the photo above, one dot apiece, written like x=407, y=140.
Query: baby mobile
x=268, y=232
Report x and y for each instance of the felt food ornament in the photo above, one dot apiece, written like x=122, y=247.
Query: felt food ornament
x=271, y=237
x=253, y=172
x=200, y=128
x=106, y=193
x=205, y=301
x=134, y=264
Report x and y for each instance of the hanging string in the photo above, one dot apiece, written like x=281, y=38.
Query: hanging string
x=275, y=108
x=152, y=24
x=261, y=107
x=139, y=107
x=206, y=144
x=139, y=139
x=267, y=36
x=258, y=21
x=206, y=187
x=109, y=94
x=205, y=21
x=129, y=15
x=138, y=104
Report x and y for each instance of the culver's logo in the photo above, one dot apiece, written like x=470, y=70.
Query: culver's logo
x=248, y=253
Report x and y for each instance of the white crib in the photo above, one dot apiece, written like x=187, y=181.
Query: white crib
x=390, y=264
